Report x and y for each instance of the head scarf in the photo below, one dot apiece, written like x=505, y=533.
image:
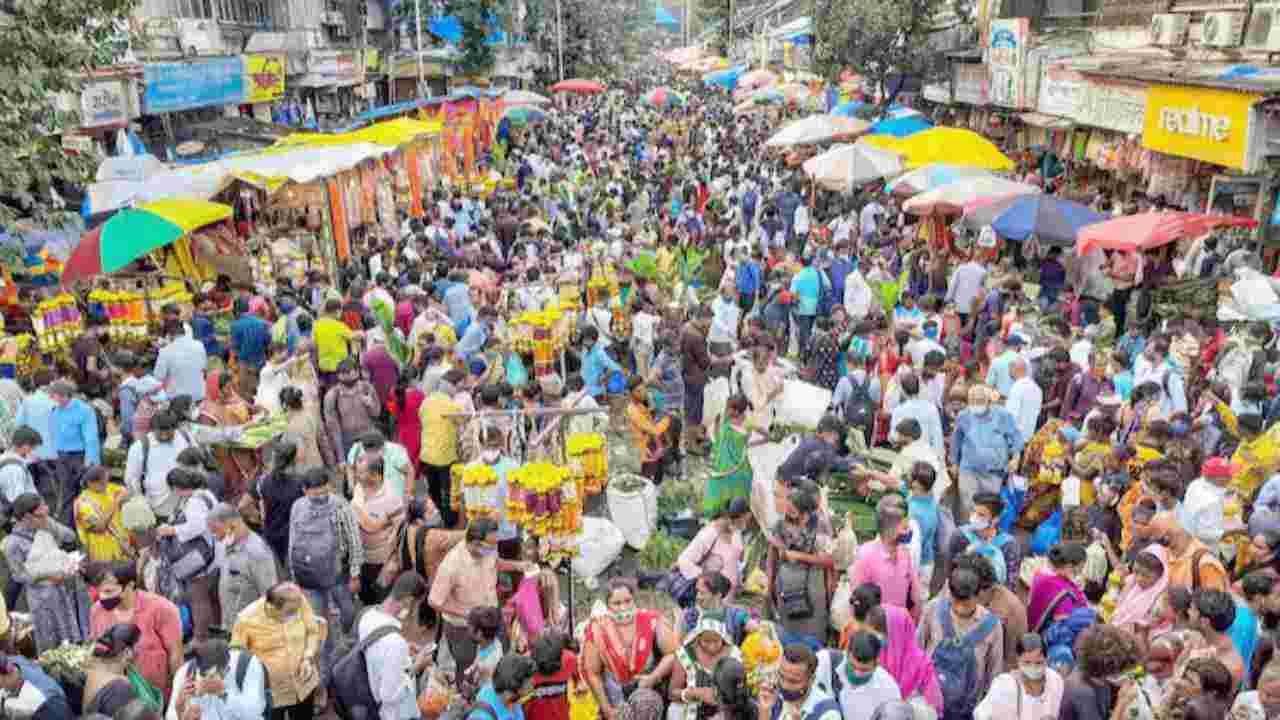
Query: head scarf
x=903, y=658
x=1134, y=603
x=644, y=704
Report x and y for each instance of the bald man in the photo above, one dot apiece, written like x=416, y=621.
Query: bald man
x=1191, y=564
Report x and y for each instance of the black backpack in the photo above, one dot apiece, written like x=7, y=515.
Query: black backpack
x=349, y=682
x=859, y=408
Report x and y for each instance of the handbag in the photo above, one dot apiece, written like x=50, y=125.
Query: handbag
x=681, y=589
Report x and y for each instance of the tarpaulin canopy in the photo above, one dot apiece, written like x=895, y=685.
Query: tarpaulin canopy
x=1145, y=231
x=134, y=232
x=727, y=79
x=931, y=177
x=845, y=167
x=945, y=145
x=953, y=197
x=816, y=129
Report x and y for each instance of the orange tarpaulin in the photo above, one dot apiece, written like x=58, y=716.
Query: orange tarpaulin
x=469, y=149
x=338, y=216
x=415, y=183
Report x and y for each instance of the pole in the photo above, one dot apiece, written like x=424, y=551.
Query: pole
x=417, y=10
x=688, y=22
x=560, y=39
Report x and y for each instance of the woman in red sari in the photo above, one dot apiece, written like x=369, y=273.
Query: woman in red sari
x=625, y=650
x=403, y=406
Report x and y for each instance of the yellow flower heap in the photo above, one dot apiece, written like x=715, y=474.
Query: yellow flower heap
x=544, y=499
x=479, y=490
x=587, y=453
x=761, y=656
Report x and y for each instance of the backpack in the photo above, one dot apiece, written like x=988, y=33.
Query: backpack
x=313, y=543
x=957, y=663
x=188, y=559
x=859, y=408
x=993, y=551
x=349, y=681
x=6, y=508
x=144, y=410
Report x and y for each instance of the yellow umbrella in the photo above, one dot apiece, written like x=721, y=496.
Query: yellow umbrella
x=953, y=146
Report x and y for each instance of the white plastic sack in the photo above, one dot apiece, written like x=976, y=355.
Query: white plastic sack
x=802, y=404
x=841, y=606
x=46, y=558
x=599, y=544
x=765, y=461
x=631, y=512
x=715, y=396
x=1253, y=288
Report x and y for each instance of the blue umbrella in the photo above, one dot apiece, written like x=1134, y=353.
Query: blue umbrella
x=853, y=107
x=1052, y=219
x=900, y=126
x=727, y=79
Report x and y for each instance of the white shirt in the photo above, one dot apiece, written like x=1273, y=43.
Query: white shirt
x=1001, y=702
x=801, y=220
x=390, y=667
x=236, y=703
x=1202, y=511
x=965, y=284
x=869, y=218
x=642, y=325
x=1025, y=398
x=161, y=458
x=918, y=349
x=1081, y=350
x=15, y=477
x=724, y=321
x=861, y=702
x=857, y=296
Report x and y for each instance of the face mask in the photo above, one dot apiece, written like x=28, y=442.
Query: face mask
x=856, y=678
x=793, y=696
x=319, y=499
x=623, y=616
x=904, y=538
x=979, y=523
x=111, y=603
x=1033, y=672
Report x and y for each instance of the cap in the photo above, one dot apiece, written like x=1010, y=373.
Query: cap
x=1219, y=467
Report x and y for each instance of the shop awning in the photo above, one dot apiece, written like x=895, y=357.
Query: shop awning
x=313, y=80
x=799, y=26
x=1042, y=120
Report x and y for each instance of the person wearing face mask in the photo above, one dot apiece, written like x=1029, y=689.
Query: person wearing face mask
x=1105, y=654
x=1190, y=565
x=121, y=599
x=964, y=640
x=797, y=696
x=389, y=657
x=1031, y=692
x=985, y=444
x=282, y=631
x=248, y=567
x=57, y=602
x=625, y=650
x=503, y=698
x=1139, y=607
x=1056, y=592
x=351, y=408
x=107, y=687
x=900, y=655
x=886, y=560
x=1202, y=505
x=719, y=542
x=466, y=579
x=692, y=676
x=711, y=589
x=983, y=537
x=860, y=684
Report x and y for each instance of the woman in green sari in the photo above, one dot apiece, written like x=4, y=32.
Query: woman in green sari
x=730, y=465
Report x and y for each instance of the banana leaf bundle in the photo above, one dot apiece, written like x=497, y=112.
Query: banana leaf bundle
x=1197, y=298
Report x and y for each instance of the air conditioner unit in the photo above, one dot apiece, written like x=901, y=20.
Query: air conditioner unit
x=1264, y=28
x=1168, y=29
x=200, y=37
x=1222, y=29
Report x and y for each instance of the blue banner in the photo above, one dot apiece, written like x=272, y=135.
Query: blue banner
x=184, y=85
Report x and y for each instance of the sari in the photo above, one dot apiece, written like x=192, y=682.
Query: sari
x=906, y=661
x=622, y=667
x=239, y=465
x=698, y=675
x=1052, y=597
x=731, y=468
x=1136, y=606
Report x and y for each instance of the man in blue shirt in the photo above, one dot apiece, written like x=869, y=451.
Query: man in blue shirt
x=34, y=413
x=250, y=338
x=503, y=697
x=748, y=277
x=597, y=363
x=473, y=340
x=807, y=287
x=74, y=428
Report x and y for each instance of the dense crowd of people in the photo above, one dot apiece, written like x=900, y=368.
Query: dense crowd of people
x=1083, y=521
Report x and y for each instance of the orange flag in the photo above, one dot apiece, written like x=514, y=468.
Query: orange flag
x=338, y=217
x=469, y=149
x=415, y=183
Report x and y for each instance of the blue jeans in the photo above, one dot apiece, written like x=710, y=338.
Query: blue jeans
x=322, y=602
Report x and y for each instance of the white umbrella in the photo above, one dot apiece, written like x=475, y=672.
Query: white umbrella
x=816, y=129
x=524, y=97
x=844, y=167
x=954, y=197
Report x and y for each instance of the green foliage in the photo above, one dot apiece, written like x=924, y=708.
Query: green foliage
x=715, y=13
x=661, y=552
x=477, y=56
x=396, y=346
x=46, y=46
x=644, y=266
x=689, y=261
x=888, y=293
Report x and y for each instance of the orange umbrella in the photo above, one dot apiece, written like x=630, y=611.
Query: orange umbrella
x=578, y=85
x=1151, y=230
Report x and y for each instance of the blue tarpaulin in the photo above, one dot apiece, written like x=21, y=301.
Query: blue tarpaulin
x=901, y=126
x=446, y=27
x=725, y=78
x=662, y=17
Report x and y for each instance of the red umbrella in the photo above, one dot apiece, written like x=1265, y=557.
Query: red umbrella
x=1151, y=230
x=578, y=85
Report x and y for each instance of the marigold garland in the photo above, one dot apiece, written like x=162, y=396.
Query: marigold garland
x=544, y=500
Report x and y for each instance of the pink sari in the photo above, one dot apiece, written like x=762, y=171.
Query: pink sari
x=1134, y=605
x=906, y=661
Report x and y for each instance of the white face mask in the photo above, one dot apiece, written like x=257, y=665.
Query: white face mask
x=1033, y=672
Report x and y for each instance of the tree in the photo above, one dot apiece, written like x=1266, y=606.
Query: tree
x=478, y=23
x=47, y=47
x=878, y=39
x=598, y=36
x=715, y=14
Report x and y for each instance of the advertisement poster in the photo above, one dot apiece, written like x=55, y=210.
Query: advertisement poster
x=1007, y=59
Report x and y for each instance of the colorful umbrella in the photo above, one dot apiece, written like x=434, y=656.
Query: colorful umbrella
x=578, y=85
x=1052, y=219
x=931, y=177
x=1151, y=230
x=845, y=167
x=952, y=198
x=727, y=79
x=816, y=129
x=945, y=145
x=523, y=114
x=663, y=97
x=524, y=97
x=134, y=232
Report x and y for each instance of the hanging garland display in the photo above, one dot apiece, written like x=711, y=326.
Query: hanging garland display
x=588, y=457
x=546, y=500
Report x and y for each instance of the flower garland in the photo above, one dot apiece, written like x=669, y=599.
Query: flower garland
x=479, y=490
x=544, y=500
x=587, y=454
x=761, y=656
x=57, y=321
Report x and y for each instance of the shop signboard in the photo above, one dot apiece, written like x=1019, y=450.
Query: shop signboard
x=1006, y=61
x=1039, y=61
x=174, y=86
x=103, y=103
x=263, y=77
x=1061, y=92
x=1112, y=106
x=971, y=83
x=938, y=93
x=338, y=67
x=1204, y=124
